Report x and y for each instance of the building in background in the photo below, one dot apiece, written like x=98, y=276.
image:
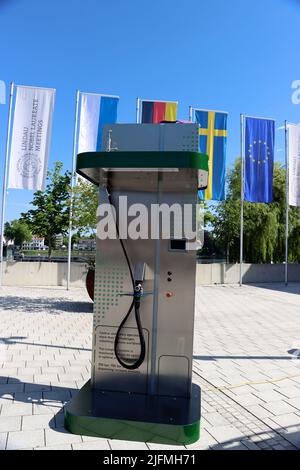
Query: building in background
x=36, y=243
x=85, y=244
x=59, y=241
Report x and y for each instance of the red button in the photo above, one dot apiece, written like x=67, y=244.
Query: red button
x=169, y=294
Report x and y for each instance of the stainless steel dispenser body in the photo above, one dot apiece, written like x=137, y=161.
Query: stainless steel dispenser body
x=167, y=311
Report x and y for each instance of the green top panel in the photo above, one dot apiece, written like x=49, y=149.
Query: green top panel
x=92, y=160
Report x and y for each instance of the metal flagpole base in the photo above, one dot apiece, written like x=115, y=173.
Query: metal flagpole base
x=134, y=417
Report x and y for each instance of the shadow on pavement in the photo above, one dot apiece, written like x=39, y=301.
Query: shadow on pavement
x=287, y=438
x=48, y=399
x=291, y=288
x=52, y=306
x=19, y=340
x=262, y=358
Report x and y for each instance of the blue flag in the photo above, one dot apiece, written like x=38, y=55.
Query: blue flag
x=96, y=110
x=213, y=140
x=259, y=159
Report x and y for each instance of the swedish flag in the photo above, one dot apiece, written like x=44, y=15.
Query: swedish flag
x=213, y=140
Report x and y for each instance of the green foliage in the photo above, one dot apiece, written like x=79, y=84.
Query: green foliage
x=17, y=231
x=264, y=224
x=51, y=214
x=85, y=205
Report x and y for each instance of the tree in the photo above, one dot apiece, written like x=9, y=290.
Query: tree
x=52, y=207
x=264, y=224
x=85, y=205
x=17, y=231
x=74, y=239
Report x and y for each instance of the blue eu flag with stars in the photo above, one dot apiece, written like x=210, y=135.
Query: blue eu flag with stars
x=259, y=159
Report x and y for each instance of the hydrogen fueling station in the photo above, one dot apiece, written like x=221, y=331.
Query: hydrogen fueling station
x=143, y=323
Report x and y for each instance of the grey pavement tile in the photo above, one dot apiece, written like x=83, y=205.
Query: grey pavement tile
x=10, y=423
x=294, y=402
x=36, y=364
x=8, y=371
x=249, y=399
x=163, y=447
x=60, y=436
x=16, y=364
x=3, y=440
x=35, y=422
x=47, y=407
x=244, y=390
x=269, y=396
x=296, y=379
x=52, y=370
x=290, y=419
x=215, y=419
x=116, y=444
x=16, y=409
x=290, y=392
x=57, y=447
x=29, y=370
x=205, y=442
x=279, y=407
x=92, y=445
x=46, y=378
x=235, y=445
x=6, y=398
x=226, y=433
x=23, y=439
x=24, y=378
x=259, y=411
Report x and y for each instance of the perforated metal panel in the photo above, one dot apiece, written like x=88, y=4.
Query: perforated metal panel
x=149, y=137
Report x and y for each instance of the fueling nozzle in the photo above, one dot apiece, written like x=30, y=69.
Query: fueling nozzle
x=138, y=293
x=139, y=275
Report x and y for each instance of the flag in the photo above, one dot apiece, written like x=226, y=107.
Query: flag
x=31, y=137
x=2, y=92
x=95, y=111
x=294, y=164
x=259, y=159
x=213, y=142
x=154, y=112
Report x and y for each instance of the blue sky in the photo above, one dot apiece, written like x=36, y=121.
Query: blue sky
x=232, y=55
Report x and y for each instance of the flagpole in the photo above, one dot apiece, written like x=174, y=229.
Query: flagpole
x=242, y=200
x=72, y=188
x=137, y=116
x=5, y=180
x=190, y=113
x=287, y=204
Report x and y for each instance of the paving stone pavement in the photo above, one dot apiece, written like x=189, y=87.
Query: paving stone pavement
x=244, y=361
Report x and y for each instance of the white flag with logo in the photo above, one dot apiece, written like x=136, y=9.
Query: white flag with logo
x=31, y=137
x=294, y=164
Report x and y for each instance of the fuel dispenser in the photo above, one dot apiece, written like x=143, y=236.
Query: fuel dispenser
x=141, y=382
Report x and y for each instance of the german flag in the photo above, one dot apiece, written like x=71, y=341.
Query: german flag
x=154, y=112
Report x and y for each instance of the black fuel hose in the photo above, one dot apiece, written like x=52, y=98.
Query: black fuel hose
x=134, y=304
